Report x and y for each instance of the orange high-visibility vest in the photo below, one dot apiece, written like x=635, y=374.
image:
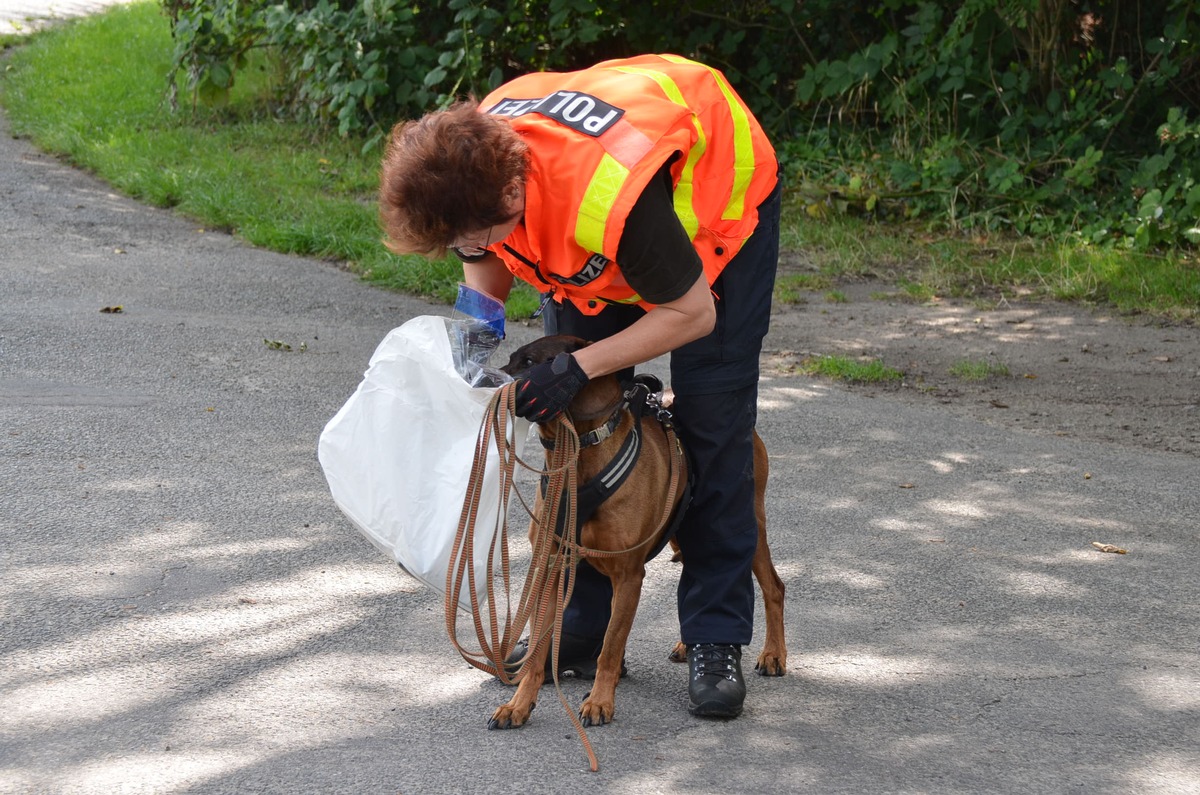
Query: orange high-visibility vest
x=596, y=137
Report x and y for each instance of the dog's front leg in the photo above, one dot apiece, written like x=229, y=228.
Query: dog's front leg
x=600, y=704
x=516, y=712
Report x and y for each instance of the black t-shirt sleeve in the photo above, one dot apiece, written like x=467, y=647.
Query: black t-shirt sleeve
x=655, y=254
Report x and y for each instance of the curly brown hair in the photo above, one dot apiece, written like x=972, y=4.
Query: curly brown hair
x=445, y=175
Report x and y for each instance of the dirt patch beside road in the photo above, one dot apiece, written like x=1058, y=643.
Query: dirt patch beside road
x=1072, y=371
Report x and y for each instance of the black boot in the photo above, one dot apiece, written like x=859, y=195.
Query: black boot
x=716, y=688
x=576, y=658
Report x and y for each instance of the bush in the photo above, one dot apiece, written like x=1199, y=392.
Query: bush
x=353, y=68
x=1035, y=116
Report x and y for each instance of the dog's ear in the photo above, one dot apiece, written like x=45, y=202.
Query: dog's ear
x=575, y=343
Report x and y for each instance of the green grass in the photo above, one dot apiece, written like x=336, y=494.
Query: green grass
x=916, y=291
x=987, y=269
x=790, y=289
x=93, y=91
x=968, y=370
x=843, y=368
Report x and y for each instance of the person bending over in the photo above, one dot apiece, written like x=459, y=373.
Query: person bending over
x=641, y=197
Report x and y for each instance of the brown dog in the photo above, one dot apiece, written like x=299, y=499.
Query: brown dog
x=625, y=520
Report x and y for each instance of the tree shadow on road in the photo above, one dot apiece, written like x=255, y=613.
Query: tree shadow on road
x=950, y=628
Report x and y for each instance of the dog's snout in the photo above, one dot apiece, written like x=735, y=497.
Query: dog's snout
x=518, y=363
x=541, y=350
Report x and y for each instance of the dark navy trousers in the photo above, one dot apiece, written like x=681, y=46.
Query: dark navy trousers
x=715, y=380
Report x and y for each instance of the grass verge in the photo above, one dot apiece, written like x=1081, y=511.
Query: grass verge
x=987, y=269
x=843, y=368
x=93, y=90
x=971, y=370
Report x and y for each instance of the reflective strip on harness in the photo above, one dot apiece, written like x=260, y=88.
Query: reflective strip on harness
x=593, y=493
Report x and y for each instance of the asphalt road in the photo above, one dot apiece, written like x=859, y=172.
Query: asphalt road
x=184, y=609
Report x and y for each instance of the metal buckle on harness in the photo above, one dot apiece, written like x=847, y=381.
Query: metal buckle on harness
x=661, y=412
x=647, y=393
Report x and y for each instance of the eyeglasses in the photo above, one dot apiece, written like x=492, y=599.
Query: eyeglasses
x=474, y=251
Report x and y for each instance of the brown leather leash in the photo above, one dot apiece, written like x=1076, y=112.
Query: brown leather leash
x=550, y=579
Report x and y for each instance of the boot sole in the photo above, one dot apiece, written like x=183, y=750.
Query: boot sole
x=714, y=709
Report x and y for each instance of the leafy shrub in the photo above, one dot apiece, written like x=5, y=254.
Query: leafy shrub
x=352, y=67
x=211, y=43
x=1031, y=115
x=1035, y=116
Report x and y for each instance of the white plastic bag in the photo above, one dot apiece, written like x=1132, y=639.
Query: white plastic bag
x=398, y=455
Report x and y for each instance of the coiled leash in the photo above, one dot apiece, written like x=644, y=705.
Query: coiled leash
x=551, y=576
x=556, y=551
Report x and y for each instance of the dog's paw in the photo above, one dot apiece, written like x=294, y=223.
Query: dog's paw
x=679, y=653
x=770, y=664
x=594, y=713
x=510, y=716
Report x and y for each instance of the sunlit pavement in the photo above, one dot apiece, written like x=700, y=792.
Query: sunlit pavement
x=24, y=16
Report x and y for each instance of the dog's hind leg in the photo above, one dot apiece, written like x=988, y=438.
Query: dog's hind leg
x=679, y=650
x=599, y=706
x=772, y=661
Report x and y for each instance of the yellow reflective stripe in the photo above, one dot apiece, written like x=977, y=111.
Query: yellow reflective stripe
x=743, y=144
x=683, y=191
x=665, y=82
x=684, y=208
x=598, y=199
x=683, y=195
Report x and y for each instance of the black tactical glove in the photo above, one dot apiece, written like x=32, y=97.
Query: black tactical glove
x=547, y=389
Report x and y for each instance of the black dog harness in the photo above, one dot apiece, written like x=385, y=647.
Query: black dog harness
x=592, y=494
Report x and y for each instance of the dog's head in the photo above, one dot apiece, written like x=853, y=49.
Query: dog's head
x=542, y=350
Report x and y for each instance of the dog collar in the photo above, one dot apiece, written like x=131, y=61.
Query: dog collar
x=598, y=435
x=594, y=436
